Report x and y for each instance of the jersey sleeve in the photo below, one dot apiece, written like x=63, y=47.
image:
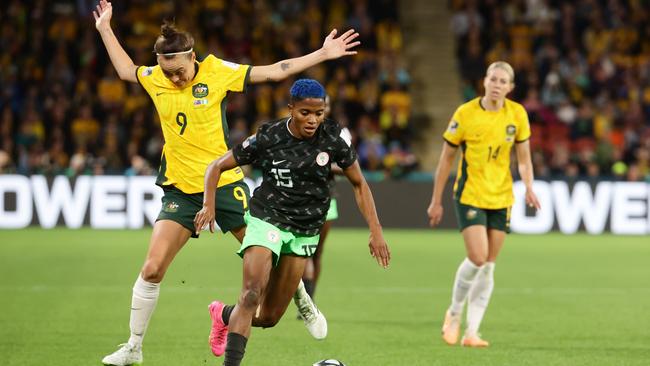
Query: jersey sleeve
x=247, y=151
x=235, y=76
x=145, y=77
x=523, y=130
x=344, y=155
x=346, y=135
x=455, y=132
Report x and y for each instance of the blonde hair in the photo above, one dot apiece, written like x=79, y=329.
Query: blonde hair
x=503, y=66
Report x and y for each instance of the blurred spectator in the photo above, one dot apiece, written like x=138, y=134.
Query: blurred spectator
x=139, y=166
x=65, y=111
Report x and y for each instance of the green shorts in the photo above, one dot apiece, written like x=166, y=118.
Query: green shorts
x=333, y=212
x=231, y=201
x=280, y=242
x=467, y=215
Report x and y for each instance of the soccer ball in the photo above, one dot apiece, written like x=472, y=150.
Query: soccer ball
x=329, y=362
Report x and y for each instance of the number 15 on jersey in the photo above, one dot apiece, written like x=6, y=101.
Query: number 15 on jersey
x=282, y=177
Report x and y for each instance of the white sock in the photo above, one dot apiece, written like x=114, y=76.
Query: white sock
x=143, y=303
x=300, y=291
x=462, y=283
x=479, y=297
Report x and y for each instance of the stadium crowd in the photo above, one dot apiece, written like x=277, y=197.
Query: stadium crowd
x=582, y=72
x=63, y=110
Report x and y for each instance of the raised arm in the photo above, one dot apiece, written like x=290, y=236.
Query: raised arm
x=435, y=209
x=525, y=166
x=378, y=247
x=121, y=61
x=332, y=48
x=212, y=174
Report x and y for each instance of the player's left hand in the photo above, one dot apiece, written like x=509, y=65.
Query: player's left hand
x=103, y=14
x=203, y=218
x=531, y=199
x=379, y=249
x=337, y=47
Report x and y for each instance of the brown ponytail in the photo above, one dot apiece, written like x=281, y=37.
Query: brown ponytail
x=172, y=40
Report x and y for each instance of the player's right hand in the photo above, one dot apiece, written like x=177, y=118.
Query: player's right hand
x=435, y=214
x=203, y=218
x=103, y=14
x=379, y=249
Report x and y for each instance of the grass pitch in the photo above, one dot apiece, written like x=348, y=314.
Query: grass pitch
x=558, y=300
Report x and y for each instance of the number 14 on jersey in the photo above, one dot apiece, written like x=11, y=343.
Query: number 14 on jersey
x=493, y=155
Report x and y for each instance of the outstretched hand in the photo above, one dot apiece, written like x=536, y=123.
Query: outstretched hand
x=103, y=14
x=203, y=218
x=337, y=47
x=379, y=250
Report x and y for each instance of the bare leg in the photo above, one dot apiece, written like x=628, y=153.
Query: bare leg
x=281, y=287
x=167, y=239
x=273, y=288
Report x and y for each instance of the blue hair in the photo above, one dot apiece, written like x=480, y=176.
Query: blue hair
x=306, y=88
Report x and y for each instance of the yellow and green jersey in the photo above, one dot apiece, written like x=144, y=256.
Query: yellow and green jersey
x=486, y=139
x=193, y=120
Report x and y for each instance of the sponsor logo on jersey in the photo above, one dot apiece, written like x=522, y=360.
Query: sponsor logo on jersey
x=453, y=127
x=198, y=102
x=322, y=158
x=273, y=236
x=200, y=90
x=511, y=130
x=147, y=71
x=171, y=207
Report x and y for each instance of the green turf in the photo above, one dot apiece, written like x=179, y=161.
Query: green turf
x=559, y=300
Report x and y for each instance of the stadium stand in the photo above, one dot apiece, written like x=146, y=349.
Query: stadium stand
x=65, y=111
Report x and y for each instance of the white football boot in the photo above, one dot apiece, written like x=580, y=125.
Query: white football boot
x=125, y=356
x=314, y=320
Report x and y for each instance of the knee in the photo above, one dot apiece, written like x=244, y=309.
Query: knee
x=251, y=297
x=268, y=321
x=152, y=272
x=478, y=260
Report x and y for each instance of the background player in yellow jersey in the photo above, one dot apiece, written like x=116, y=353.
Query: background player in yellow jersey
x=189, y=96
x=485, y=128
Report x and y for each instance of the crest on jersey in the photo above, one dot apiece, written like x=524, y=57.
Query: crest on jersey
x=511, y=130
x=273, y=236
x=322, y=158
x=171, y=207
x=200, y=90
x=453, y=126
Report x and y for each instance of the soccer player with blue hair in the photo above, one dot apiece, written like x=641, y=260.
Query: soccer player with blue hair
x=287, y=210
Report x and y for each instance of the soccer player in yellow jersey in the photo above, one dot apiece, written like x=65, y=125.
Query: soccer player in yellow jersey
x=190, y=98
x=485, y=129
